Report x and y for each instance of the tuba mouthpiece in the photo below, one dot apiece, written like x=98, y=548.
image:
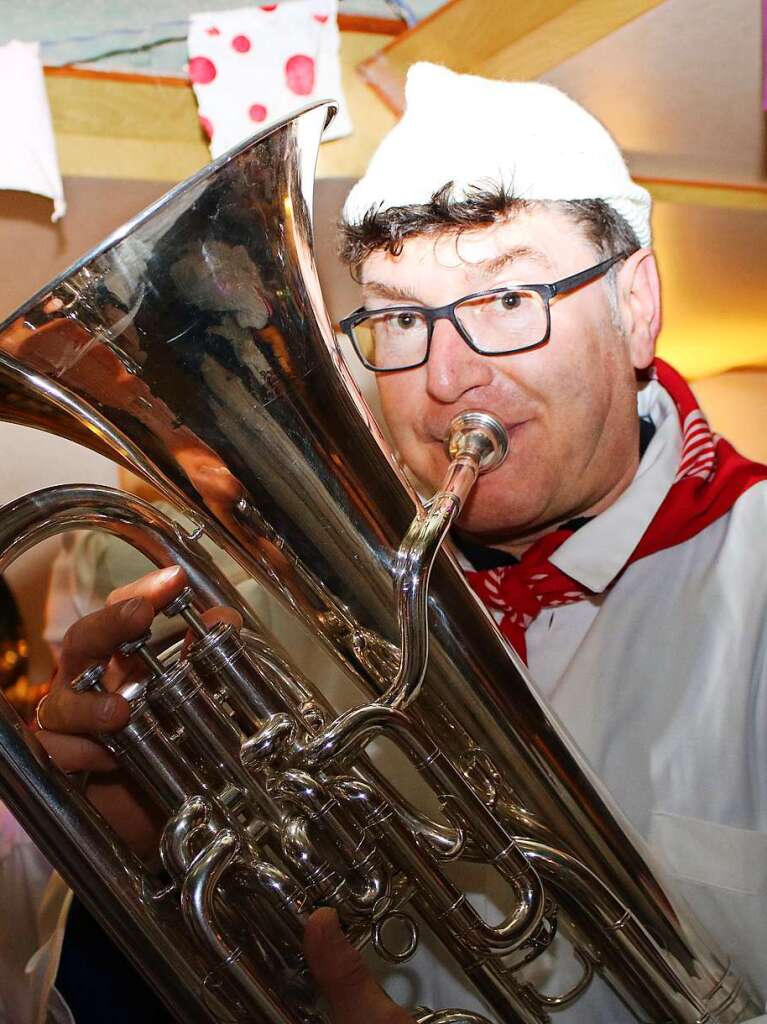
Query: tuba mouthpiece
x=480, y=436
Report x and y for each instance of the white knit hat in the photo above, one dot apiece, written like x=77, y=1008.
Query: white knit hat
x=529, y=137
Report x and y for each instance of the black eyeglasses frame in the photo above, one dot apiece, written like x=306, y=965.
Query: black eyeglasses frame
x=432, y=314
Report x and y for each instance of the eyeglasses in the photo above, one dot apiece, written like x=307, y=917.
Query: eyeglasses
x=497, y=322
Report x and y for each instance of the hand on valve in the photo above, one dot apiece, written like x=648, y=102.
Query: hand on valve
x=69, y=719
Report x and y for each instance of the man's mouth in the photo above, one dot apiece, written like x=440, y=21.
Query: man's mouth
x=511, y=429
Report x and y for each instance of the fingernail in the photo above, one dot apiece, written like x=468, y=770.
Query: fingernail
x=168, y=574
x=127, y=610
x=107, y=708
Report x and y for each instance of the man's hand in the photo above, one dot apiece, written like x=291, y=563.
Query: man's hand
x=343, y=976
x=70, y=719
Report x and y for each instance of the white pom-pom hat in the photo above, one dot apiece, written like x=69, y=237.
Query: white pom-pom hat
x=528, y=137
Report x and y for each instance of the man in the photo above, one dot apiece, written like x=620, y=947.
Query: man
x=504, y=257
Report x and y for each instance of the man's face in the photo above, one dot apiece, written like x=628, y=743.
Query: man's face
x=569, y=406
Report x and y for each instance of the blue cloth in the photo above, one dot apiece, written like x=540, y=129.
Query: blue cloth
x=97, y=982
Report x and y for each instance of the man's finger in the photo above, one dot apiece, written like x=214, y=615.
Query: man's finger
x=96, y=637
x=342, y=974
x=158, y=587
x=90, y=641
x=68, y=712
x=128, y=615
x=76, y=753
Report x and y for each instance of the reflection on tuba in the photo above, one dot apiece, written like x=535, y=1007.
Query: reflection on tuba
x=193, y=346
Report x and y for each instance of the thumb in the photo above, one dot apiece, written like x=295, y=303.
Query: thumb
x=343, y=976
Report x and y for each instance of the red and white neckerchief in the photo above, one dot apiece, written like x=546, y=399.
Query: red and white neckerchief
x=710, y=478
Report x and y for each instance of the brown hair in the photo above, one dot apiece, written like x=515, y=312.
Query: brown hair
x=606, y=229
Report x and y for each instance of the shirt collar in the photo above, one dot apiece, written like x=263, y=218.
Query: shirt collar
x=596, y=553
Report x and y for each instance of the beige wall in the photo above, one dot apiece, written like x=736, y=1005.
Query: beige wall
x=736, y=405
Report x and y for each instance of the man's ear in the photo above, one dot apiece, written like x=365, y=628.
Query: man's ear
x=639, y=304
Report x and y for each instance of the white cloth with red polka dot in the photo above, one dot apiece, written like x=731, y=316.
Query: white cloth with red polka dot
x=252, y=66
x=29, y=162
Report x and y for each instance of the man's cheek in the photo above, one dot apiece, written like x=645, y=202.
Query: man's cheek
x=426, y=462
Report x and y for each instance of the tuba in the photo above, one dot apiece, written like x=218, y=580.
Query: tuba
x=193, y=346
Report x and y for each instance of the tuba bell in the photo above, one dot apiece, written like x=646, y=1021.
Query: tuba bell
x=193, y=346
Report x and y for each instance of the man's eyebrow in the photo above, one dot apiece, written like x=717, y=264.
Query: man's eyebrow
x=386, y=291
x=491, y=267
x=488, y=268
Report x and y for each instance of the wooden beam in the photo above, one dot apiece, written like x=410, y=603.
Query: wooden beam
x=96, y=75
x=374, y=26
x=583, y=23
x=706, y=193
x=498, y=39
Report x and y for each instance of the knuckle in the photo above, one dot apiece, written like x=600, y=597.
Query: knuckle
x=79, y=637
x=58, y=713
x=72, y=637
x=50, y=715
x=123, y=593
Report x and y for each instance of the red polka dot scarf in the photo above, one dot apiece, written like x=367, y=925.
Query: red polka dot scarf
x=711, y=476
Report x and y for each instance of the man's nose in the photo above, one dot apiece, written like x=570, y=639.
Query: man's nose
x=453, y=368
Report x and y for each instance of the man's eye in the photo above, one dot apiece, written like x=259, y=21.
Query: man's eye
x=511, y=300
x=406, y=320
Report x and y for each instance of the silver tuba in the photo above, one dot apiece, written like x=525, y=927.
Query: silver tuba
x=193, y=346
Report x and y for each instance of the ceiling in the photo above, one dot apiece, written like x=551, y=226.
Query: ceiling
x=680, y=88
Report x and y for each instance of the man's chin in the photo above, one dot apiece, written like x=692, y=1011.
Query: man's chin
x=490, y=532
x=492, y=513
x=492, y=518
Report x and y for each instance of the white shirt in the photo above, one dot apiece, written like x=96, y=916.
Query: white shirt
x=31, y=930
x=661, y=681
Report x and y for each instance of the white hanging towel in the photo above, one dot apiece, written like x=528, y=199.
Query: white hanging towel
x=252, y=66
x=28, y=160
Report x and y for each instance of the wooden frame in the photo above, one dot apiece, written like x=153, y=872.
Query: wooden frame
x=497, y=39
